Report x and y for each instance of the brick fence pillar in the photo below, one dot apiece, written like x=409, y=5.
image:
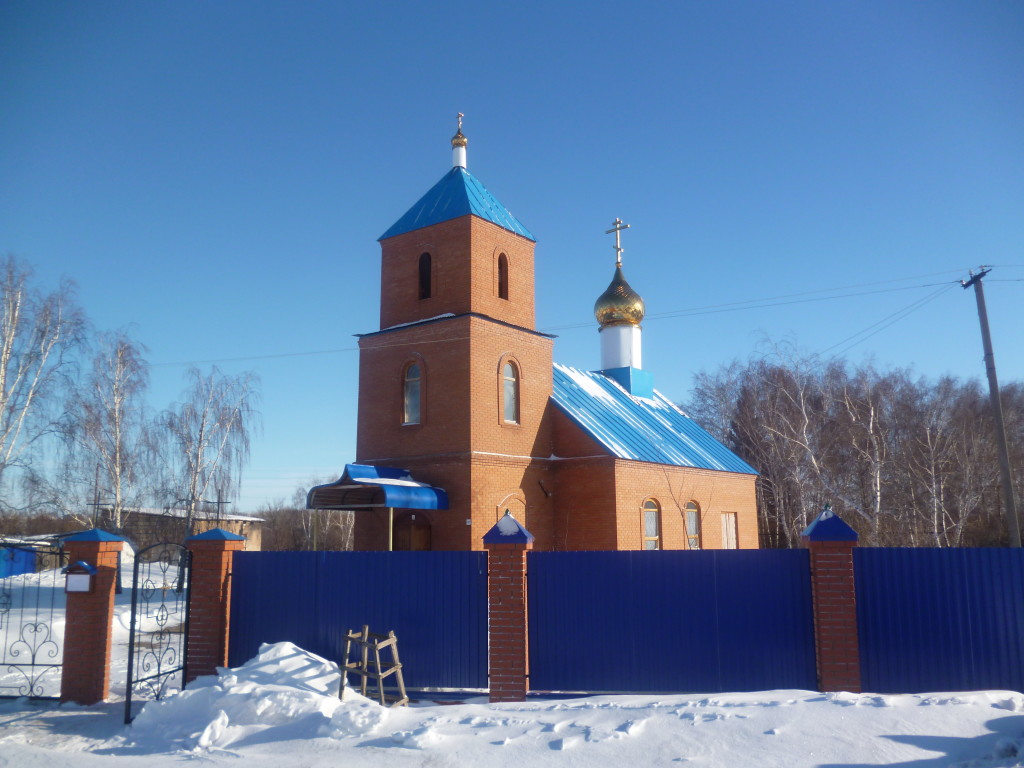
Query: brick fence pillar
x=209, y=612
x=831, y=543
x=85, y=678
x=507, y=646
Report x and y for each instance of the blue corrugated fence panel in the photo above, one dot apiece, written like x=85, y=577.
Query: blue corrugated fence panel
x=273, y=599
x=670, y=621
x=435, y=602
x=940, y=619
x=765, y=619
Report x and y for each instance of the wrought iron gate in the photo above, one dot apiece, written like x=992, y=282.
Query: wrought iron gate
x=32, y=605
x=158, y=644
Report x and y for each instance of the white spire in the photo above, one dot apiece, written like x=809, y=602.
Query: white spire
x=459, y=147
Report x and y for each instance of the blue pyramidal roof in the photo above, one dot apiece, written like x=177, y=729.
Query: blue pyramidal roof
x=457, y=194
x=639, y=428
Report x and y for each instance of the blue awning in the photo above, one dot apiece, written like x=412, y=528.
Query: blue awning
x=363, y=486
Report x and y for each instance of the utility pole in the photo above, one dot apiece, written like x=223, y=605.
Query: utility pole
x=997, y=408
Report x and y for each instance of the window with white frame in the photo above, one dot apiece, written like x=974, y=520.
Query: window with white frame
x=652, y=524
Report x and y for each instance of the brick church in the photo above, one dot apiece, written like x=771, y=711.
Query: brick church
x=464, y=416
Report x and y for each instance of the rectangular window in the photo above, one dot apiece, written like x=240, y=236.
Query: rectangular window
x=729, y=530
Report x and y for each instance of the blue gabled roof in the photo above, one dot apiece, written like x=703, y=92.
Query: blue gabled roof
x=639, y=428
x=458, y=193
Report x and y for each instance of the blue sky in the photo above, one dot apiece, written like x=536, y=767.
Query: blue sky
x=214, y=177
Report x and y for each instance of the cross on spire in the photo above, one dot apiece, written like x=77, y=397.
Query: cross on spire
x=617, y=228
x=460, y=121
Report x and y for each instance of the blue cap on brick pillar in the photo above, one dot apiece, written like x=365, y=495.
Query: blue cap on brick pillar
x=94, y=534
x=828, y=526
x=216, y=534
x=508, y=530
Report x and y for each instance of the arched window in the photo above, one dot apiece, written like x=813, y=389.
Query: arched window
x=424, y=275
x=503, y=276
x=693, y=524
x=411, y=389
x=510, y=393
x=652, y=524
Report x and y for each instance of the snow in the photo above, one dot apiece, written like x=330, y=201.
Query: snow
x=587, y=384
x=389, y=481
x=282, y=708
x=507, y=526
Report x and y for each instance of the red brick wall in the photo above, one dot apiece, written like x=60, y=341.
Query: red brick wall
x=464, y=258
x=85, y=678
x=835, y=616
x=672, y=488
x=585, y=514
x=507, y=624
x=442, y=351
x=209, y=606
x=492, y=346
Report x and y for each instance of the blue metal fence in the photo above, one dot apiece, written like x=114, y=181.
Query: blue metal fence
x=940, y=619
x=436, y=603
x=736, y=620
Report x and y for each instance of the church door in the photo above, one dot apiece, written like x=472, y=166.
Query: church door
x=412, y=533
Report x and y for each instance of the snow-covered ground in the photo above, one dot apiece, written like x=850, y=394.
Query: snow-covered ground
x=282, y=709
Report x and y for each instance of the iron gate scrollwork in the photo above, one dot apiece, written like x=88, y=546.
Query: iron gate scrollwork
x=158, y=643
x=32, y=604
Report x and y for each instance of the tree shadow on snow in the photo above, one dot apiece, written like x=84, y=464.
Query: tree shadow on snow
x=98, y=722
x=1004, y=743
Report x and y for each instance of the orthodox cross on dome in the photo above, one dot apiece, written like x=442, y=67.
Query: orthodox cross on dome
x=617, y=228
x=460, y=121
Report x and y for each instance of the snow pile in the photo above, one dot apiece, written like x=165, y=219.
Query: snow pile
x=282, y=708
x=282, y=693
x=285, y=701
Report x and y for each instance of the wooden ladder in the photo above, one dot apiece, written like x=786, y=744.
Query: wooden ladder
x=368, y=643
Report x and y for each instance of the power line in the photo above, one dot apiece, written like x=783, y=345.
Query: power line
x=885, y=322
x=782, y=300
x=764, y=303
x=253, y=357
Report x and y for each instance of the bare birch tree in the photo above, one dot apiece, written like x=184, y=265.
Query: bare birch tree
x=109, y=428
x=903, y=462
x=38, y=335
x=209, y=434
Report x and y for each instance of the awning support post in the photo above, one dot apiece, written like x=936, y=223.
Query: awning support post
x=391, y=528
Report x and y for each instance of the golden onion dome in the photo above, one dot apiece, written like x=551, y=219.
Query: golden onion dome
x=458, y=140
x=619, y=304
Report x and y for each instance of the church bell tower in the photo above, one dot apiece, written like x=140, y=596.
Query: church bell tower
x=454, y=384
